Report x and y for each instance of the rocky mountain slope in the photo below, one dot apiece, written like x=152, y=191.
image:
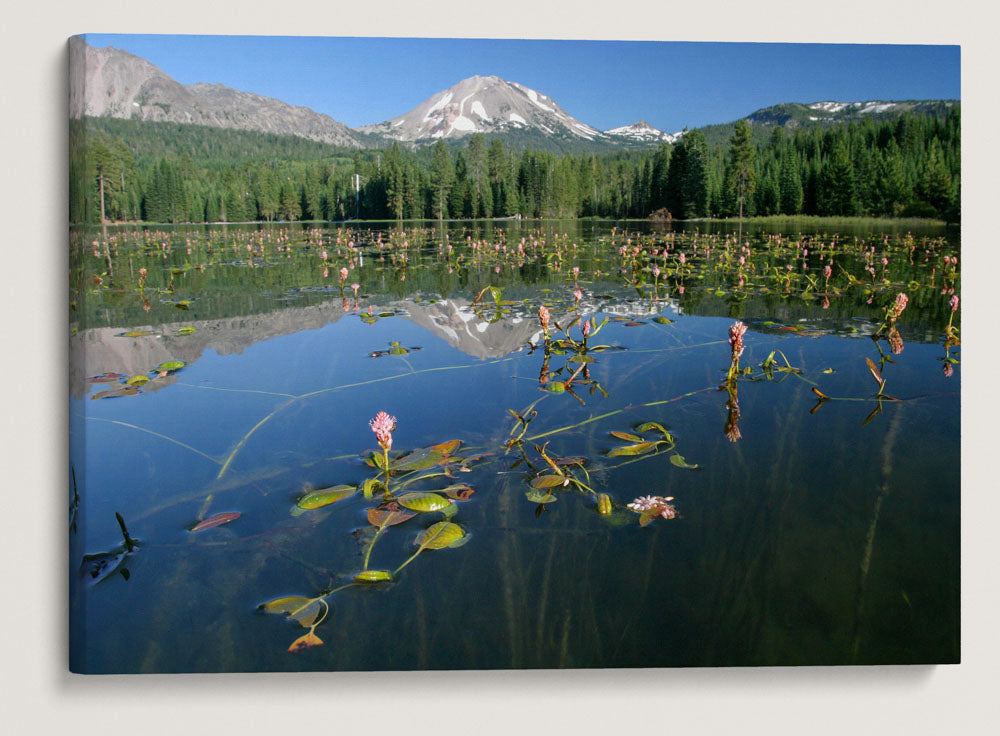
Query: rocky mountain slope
x=796, y=114
x=114, y=83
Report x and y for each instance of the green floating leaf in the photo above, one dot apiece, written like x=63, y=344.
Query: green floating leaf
x=556, y=387
x=638, y=449
x=138, y=380
x=440, y=535
x=369, y=486
x=373, y=576
x=540, y=497
x=649, y=426
x=662, y=320
x=326, y=496
x=548, y=481
x=423, y=502
x=171, y=365
x=296, y=607
x=188, y=330
x=136, y=333
x=626, y=436
x=386, y=314
x=425, y=458
x=678, y=460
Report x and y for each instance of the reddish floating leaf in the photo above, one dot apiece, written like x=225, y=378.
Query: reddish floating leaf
x=106, y=378
x=304, y=642
x=874, y=371
x=819, y=393
x=389, y=515
x=219, y=519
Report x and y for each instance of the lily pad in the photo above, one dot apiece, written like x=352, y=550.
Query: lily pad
x=188, y=330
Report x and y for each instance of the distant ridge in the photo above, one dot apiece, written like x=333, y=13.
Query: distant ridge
x=108, y=82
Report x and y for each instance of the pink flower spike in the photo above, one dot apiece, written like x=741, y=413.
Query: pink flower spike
x=954, y=303
x=343, y=274
x=543, y=317
x=382, y=425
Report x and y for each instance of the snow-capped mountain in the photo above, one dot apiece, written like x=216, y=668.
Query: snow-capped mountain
x=484, y=105
x=643, y=132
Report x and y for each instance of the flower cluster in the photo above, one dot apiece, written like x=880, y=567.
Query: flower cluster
x=736, y=332
x=543, y=317
x=382, y=425
x=954, y=303
x=895, y=341
x=897, y=309
x=656, y=505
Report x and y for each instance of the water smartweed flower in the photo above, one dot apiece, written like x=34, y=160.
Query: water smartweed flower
x=897, y=308
x=954, y=303
x=383, y=425
x=895, y=341
x=543, y=317
x=654, y=505
x=736, y=331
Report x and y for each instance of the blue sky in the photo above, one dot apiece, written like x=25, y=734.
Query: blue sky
x=603, y=83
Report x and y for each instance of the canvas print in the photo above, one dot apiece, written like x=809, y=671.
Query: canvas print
x=406, y=354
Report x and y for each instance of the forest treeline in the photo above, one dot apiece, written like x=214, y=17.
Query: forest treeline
x=908, y=167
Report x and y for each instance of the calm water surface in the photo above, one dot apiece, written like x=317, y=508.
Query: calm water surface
x=811, y=531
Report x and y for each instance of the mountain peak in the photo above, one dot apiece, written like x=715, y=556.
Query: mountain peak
x=641, y=131
x=481, y=104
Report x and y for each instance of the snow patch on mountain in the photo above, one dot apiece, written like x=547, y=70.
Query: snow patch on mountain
x=828, y=106
x=440, y=104
x=478, y=109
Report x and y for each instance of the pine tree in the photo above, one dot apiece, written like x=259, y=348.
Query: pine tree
x=741, y=172
x=791, y=185
x=442, y=178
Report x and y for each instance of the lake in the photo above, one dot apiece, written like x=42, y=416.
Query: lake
x=231, y=508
